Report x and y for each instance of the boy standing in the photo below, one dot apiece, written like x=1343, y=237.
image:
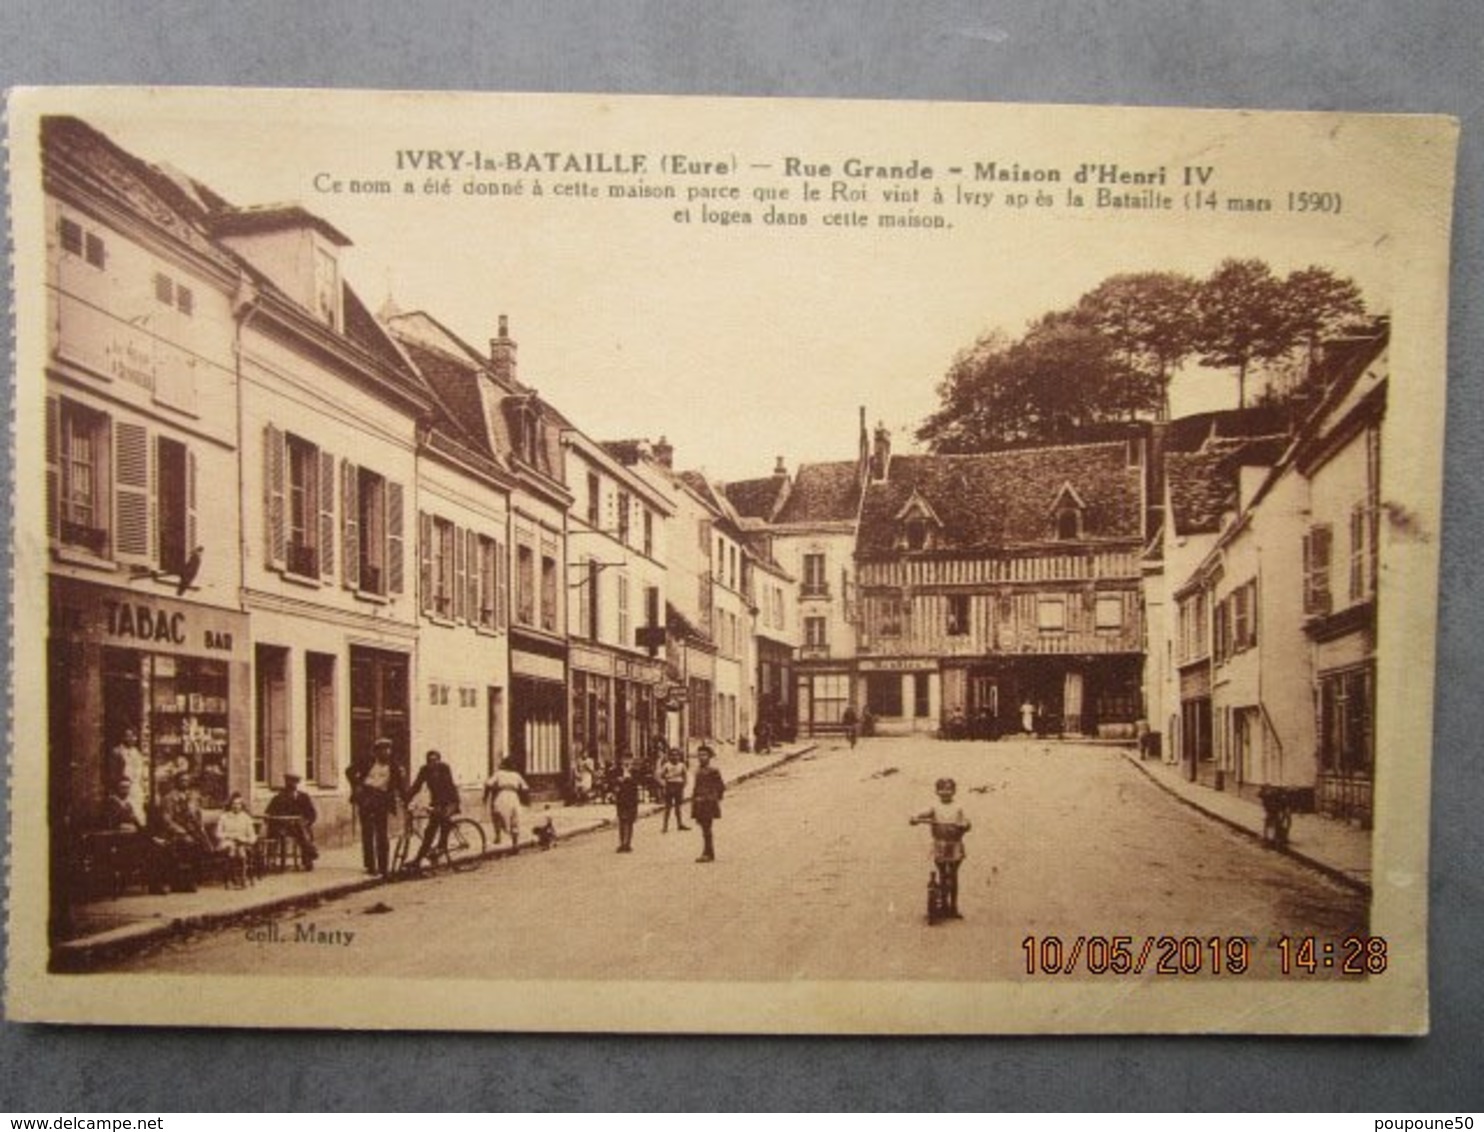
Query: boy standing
x=949, y=826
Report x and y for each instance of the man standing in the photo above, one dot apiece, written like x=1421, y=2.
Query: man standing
x=705, y=804
x=291, y=815
x=627, y=801
x=374, y=789
x=126, y=760
x=851, y=722
x=443, y=797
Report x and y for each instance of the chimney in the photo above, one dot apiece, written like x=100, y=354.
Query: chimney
x=881, y=457
x=779, y=469
x=502, y=353
x=664, y=453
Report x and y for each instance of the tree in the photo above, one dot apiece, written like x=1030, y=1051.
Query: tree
x=1151, y=317
x=1061, y=377
x=1317, y=303
x=1243, y=317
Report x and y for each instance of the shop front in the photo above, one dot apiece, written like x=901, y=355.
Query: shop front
x=901, y=694
x=538, y=712
x=615, y=710
x=142, y=686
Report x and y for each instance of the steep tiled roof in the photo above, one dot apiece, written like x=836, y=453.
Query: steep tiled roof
x=1005, y=499
x=1203, y=484
x=757, y=499
x=827, y=492
x=1188, y=434
x=456, y=385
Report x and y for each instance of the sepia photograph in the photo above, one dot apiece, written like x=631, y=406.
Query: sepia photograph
x=578, y=562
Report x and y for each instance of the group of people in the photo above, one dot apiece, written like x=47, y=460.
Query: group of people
x=171, y=839
x=705, y=806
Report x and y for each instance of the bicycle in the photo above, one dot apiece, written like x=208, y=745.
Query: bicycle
x=461, y=850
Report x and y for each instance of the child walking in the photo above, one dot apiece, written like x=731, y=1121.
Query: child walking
x=949, y=826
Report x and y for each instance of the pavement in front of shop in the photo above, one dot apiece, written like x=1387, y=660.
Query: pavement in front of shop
x=1337, y=848
x=114, y=925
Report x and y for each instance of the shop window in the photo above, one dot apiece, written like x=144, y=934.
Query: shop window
x=922, y=700
x=1109, y=611
x=319, y=698
x=884, y=694
x=831, y=692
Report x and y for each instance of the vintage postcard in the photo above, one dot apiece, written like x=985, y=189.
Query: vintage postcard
x=530, y=562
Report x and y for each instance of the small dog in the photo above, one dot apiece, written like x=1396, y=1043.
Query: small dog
x=545, y=834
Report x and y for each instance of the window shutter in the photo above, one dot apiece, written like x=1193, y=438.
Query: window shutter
x=53, y=466
x=327, y=516
x=192, y=532
x=131, y=491
x=425, y=561
x=460, y=570
x=475, y=567
x=502, y=583
x=394, y=538
x=350, y=518
x=273, y=497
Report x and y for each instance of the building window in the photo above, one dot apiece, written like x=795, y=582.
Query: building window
x=487, y=613
x=1051, y=614
x=916, y=533
x=319, y=698
x=1068, y=524
x=922, y=700
x=304, y=508
x=525, y=585
x=958, y=615
x=175, y=495
x=1347, y=707
x=81, y=242
x=814, y=576
x=174, y=294
x=371, y=519
x=81, y=458
x=270, y=758
x=594, y=501
x=326, y=288
x=548, y=593
x=1362, y=553
x=624, y=507
x=815, y=633
x=625, y=637
x=700, y=708
x=893, y=615
x=648, y=533
x=444, y=561
x=1109, y=611
x=1317, y=548
x=1244, y=617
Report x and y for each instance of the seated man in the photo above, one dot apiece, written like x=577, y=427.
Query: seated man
x=137, y=849
x=181, y=826
x=291, y=803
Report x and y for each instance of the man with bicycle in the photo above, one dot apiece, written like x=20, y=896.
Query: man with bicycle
x=443, y=797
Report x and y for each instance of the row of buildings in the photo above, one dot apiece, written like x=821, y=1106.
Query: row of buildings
x=280, y=525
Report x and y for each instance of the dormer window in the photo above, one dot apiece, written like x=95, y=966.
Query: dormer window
x=917, y=524
x=1067, y=513
x=327, y=288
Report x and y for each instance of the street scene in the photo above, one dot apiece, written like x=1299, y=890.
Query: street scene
x=1068, y=839
x=389, y=633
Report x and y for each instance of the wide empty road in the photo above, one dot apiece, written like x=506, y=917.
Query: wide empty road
x=819, y=876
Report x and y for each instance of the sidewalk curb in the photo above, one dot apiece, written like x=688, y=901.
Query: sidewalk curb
x=1339, y=876
x=88, y=952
